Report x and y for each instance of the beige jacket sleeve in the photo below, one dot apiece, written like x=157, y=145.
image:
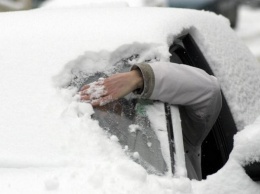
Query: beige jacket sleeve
x=181, y=85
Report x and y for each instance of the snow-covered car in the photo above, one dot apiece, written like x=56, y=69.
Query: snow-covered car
x=51, y=141
x=253, y=3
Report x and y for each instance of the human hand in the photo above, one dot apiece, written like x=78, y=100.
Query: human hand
x=106, y=90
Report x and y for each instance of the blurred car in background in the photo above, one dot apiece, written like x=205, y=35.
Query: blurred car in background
x=15, y=5
x=227, y=8
x=252, y=3
x=37, y=3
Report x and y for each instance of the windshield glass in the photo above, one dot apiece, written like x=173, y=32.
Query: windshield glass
x=132, y=122
x=138, y=125
x=128, y=122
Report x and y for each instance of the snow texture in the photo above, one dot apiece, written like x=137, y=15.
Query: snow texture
x=48, y=141
x=248, y=29
x=246, y=142
x=103, y=3
x=80, y=3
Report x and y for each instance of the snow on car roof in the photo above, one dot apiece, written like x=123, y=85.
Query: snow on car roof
x=44, y=126
x=88, y=3
x=102, y=3
x=80, y=30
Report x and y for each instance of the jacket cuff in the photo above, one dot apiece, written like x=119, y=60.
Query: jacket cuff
x=149, y=80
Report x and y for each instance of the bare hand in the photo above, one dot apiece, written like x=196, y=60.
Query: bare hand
x=112, y=88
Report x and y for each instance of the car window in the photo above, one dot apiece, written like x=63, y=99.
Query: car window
x=127, y=121
x=219, y=143
x=131, y=122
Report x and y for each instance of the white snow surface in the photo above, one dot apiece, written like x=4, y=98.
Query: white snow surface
x=248, y=28
x=81, y=3
x=48, y=141
x=103, y=3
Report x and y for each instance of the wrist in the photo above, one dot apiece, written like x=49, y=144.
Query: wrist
x=148, y=81
x=137, y=78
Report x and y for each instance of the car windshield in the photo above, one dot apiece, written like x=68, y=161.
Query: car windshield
x=127, y=121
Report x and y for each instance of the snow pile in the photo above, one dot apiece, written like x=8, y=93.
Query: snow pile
x=48, y=141
x=229, y=179
x=237, y=71
x=76, y=71
x=246, y=142
x=232, y=178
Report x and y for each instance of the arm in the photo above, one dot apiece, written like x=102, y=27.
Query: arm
x=176, y=84
x=112, y=88
x=197, y=94
x=181, y=85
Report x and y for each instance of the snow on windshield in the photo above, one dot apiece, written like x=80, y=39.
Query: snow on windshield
x=76, y=71
x=48, y=134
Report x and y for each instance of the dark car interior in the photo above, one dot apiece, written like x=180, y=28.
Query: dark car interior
x=219, y=143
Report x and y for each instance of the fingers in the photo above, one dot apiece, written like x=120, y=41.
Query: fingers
x=95, y=93
x=85, y=87
x=102, y=101
x=94, y=88
x=85, y=98
x=96, y=83
x=107, y=90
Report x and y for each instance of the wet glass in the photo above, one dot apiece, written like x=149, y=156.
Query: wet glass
x=128, y=121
